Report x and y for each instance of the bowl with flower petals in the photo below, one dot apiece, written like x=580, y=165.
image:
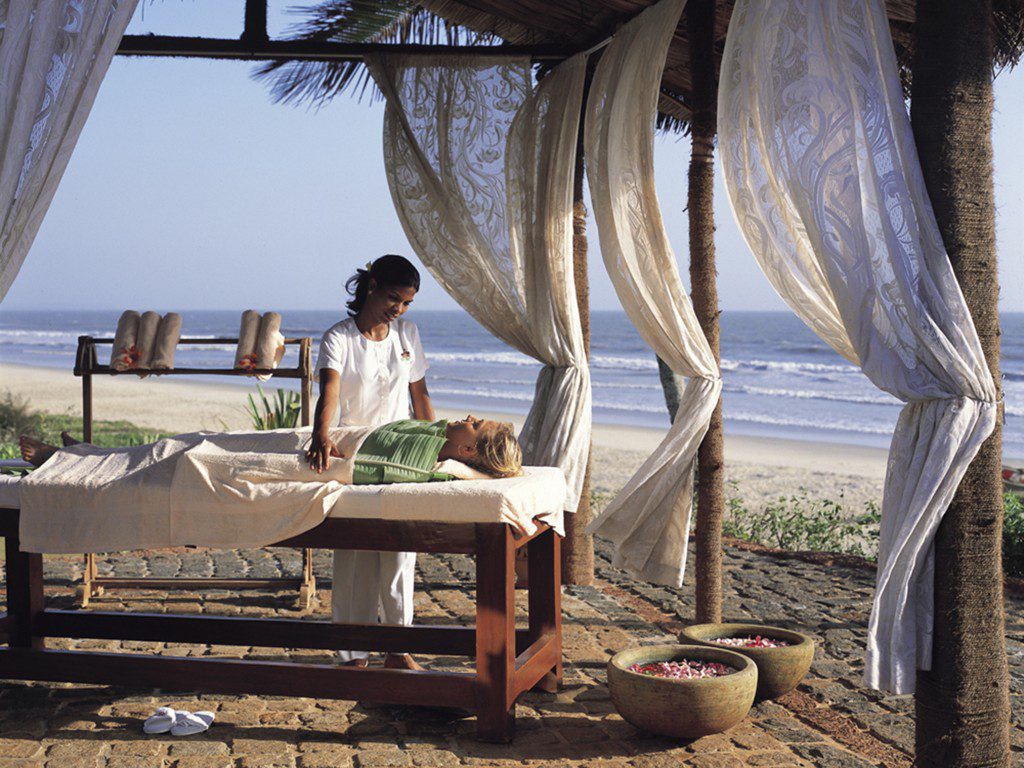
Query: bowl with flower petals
x=682, y=691
x=782, y=656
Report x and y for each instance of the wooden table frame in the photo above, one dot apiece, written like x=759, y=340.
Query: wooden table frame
x=87, y=365
x=508, y=661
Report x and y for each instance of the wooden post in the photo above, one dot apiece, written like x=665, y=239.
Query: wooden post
x=578, y=548
x=255, y=29
x=962, y=704
x=700, y=23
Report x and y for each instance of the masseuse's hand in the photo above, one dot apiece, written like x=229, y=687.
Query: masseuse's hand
x=320, y=450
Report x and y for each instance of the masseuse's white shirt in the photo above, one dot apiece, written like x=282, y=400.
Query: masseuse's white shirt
x=375, y=377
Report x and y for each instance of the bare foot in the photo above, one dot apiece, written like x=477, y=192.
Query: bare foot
x=35, y=452
x=359, y=663
x=67, y=440
x=401, y=661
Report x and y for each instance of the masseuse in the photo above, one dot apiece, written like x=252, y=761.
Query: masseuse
x=372, y=372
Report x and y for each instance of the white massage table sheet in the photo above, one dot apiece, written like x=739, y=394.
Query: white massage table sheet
x=248, y=489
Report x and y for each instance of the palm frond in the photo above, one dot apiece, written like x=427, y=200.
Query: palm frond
x=354, y=21
x=1008, y=34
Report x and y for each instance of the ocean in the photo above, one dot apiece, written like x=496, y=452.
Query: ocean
x=780, y=379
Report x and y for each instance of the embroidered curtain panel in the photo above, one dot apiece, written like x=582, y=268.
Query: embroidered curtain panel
x=649, y=520
x=824, y=180
x=53, y=56
x=480, y=165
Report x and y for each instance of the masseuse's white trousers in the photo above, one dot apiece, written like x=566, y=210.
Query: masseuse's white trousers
x=371, y=587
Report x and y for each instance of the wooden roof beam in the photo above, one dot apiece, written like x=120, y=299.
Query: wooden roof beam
x=254, y=48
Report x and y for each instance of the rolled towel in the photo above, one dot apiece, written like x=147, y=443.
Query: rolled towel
x=245, y=355
x=146, y=340
x=277, y=343
x=125, y=353
x=270, y=344
x=167, y=336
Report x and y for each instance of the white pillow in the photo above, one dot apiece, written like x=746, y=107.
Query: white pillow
x=461, y=471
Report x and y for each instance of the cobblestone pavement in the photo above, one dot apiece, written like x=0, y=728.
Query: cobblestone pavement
x=830, y=721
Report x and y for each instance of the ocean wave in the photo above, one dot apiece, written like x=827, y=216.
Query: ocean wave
x=497, y=358
x=788, y=366
x=29, y=338
x=487, y=394
x=799, y=394
x=436, y=378
x=841, y=425
x=646, y=363
x=527, y=397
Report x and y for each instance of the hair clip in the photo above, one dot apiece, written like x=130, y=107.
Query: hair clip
x=369, y=266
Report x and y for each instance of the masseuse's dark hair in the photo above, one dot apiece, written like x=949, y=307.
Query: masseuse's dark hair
x=389, y=271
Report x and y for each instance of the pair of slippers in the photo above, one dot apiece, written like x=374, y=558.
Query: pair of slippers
x=177, y=722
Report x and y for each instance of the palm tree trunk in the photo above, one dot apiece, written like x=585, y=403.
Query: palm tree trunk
x=700, y=22
x=962, y=704
x=578, y=546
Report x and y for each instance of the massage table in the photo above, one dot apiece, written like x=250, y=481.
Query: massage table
x=479, y=518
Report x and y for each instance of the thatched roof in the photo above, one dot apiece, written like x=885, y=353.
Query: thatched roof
x=572, y=25
x=580, y=24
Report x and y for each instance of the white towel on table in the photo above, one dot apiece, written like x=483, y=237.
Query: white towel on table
x=236, y=489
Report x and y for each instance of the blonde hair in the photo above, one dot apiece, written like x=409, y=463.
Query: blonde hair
x=498, y=452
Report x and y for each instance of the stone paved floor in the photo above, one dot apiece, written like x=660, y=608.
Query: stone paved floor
x=829, y=721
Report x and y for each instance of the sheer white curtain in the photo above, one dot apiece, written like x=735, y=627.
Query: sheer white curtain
x=824, y=180
x=53, y=56
x=649, y=520
x=480, y=165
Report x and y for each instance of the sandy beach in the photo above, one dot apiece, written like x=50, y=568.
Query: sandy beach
x=758, y=469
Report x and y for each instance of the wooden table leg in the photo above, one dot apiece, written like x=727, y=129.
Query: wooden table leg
x=545, y=598
x=24, y=595
x=495, y=632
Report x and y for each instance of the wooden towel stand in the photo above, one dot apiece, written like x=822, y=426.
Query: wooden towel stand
x=87, y=366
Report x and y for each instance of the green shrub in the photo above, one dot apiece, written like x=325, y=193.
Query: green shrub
x=800, y=523
x=279, y=412
x=17, y=418
x=1013, y=535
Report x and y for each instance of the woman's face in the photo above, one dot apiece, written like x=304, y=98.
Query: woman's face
x=463, y=435
x=387, y=303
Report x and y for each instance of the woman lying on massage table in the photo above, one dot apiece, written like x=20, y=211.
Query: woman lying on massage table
x=406, y=451
x=239, y=489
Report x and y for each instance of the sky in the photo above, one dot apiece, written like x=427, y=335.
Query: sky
x=191, y=189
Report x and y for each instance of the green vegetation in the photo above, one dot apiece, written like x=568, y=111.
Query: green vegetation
x=799, y=522
x=278, y=412
x=17, y=418
x=1013, y=535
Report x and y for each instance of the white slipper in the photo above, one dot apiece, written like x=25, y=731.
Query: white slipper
x=159, y=722
x=189, y=724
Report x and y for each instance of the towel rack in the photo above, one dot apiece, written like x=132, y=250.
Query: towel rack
x=87, y=365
